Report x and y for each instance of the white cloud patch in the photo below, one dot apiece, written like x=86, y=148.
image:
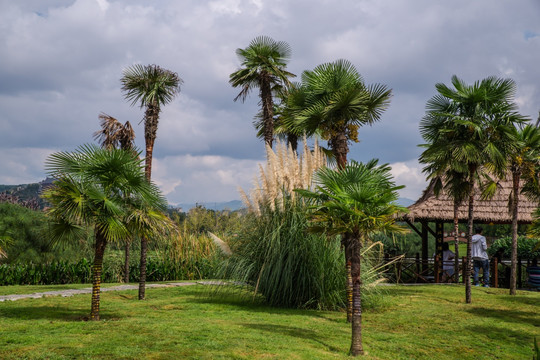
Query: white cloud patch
x=23, y=165
x=409, y=173
x=190, y=179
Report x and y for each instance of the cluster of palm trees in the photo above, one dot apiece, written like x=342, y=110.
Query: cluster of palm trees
x=474, y=138
x=109, y=189
x=331, y=101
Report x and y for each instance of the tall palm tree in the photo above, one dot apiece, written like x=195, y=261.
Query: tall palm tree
x=355, y=201
x=524, y=162
x=90, y=191
x=337, y=102
x=468, y=130
x=151, y=87
x=333, y=101
x=114, y=135
x=263, y=66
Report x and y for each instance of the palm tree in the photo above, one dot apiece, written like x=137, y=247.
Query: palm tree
x=90, y=191
x=337, y=103
x=524, y=162
x=114, y=135
x=263, y=66
x=151, y=87
x=355, y=201
x=467, y=128
x=333, y=101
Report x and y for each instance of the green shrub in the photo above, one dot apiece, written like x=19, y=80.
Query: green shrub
x=526, y=247
x=276, y=256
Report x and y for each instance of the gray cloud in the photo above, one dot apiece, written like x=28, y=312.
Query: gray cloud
x=62, y=60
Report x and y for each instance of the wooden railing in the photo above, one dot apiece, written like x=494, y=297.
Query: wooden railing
x=416, y=270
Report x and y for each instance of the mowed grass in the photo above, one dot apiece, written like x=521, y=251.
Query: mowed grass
x=415, y=322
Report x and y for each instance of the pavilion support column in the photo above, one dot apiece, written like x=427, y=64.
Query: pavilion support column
x=439, y=239
x=424, y=247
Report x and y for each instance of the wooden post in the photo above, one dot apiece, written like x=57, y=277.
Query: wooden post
x=417, y=267
x=425, y=247
x=439, y=239
x=436, y=266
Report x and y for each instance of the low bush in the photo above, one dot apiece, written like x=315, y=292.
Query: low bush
x=526, y=247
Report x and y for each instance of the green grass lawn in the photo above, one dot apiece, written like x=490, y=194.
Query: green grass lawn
x=416, y=322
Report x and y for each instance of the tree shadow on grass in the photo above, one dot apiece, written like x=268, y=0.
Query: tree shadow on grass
x=516, y=316
x=295, y=332
x=52, y=313
x=245, y=301
x=523, y=299
x=503, y=334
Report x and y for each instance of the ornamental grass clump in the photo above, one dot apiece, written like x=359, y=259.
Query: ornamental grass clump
x=275, y=257
x=285, y=171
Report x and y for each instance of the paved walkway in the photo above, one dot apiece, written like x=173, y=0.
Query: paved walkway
x=66, y=293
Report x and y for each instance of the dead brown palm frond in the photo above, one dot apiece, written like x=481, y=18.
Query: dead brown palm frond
x=283, y=172
x=113, y=134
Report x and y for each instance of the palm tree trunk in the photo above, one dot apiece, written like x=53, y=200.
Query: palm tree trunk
x=97, y=269
x=515, y=202
x=356, y=339
x=469, y=243
x=126, y=262
x=150, y=131
x=456, y=244
x=292, y=139
x=340, y=148
x=347, y=247
x=142, y=268
x=267, y=108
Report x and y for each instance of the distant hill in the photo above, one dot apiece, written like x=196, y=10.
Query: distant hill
x=405, y=202
x=218, y=206
x=25, y=194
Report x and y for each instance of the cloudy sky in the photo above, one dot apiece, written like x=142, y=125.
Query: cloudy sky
x=61, y=61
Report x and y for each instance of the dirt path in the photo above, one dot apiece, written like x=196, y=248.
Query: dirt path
x=65, y=293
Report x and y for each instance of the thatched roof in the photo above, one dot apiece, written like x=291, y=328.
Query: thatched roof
x=496, y=210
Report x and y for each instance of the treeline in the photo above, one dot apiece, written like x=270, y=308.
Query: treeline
x=29, y=257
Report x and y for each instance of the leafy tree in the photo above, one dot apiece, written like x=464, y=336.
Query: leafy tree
x=263, y=66
x=90, y=191
x=355, y=201
x=334, y=101
x=114, y=135
x=468, y=130
x=151, y=87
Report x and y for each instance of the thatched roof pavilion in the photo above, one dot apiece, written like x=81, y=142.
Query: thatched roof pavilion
x=495, y=210
x=440, y=209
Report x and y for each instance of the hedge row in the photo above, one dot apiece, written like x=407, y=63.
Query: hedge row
x=81, y=272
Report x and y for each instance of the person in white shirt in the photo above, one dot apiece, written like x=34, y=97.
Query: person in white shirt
x=480, y=257
x=448, y=265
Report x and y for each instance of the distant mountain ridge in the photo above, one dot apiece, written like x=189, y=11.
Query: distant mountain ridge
x=210, y=205
x=31, y=192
